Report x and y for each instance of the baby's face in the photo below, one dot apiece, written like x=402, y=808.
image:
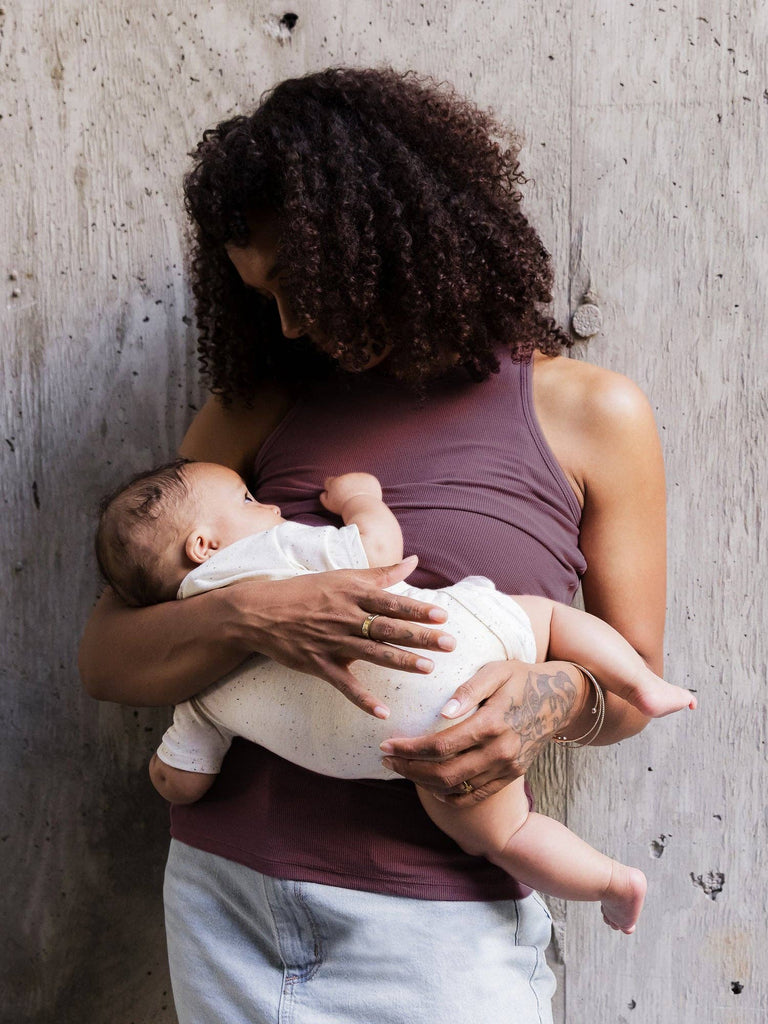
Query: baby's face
x=226, y=505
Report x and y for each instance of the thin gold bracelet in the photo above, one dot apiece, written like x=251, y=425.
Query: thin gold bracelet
x=598, y=710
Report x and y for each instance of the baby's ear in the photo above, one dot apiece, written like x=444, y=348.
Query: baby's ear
x=199, y=546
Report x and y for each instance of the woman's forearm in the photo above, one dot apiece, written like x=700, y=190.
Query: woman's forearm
x=158, y=655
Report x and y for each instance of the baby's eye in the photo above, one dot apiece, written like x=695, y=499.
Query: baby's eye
x=249, y=497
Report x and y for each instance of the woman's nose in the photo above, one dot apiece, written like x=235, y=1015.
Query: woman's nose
x=288, y=324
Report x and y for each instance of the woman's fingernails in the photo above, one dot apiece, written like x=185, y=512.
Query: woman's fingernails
x=424, y=665
x=437, y=615
x=446, y=643
x=387, y=762
x=381, y=712
x=386, y=747
x=450, y=709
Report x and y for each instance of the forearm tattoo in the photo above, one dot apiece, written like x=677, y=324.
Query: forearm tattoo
x=543, y=710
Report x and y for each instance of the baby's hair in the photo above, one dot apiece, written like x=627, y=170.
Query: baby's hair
x=131, y=521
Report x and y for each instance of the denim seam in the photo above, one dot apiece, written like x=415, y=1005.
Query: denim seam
x=308, y=975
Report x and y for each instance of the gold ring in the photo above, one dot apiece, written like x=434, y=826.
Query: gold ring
x=366, y=627
x=467, y=787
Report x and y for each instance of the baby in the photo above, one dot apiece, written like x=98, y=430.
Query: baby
x=190, y=527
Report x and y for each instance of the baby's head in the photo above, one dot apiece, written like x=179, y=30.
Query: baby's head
x=163, y=523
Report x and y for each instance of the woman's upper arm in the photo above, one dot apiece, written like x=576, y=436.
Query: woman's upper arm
x=623, y=528
x=601, y=429
x=231, y=435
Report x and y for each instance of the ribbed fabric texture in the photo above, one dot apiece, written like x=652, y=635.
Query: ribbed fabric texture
x=477, y=491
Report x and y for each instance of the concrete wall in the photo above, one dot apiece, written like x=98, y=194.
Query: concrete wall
x=646, y=128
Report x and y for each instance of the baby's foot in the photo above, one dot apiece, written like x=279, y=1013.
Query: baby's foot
x=624, y=897
x=655, y=697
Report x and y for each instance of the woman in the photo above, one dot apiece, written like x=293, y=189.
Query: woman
x=369, y=218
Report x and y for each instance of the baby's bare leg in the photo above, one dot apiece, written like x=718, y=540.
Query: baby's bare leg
x=572, y=635
x=542, y=853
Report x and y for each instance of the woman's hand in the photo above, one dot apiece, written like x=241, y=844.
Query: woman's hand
x=521, y=706
x=314, y=624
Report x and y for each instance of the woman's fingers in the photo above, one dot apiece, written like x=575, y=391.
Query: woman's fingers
x=483, y=684
x=349, y=687
x=393, y=605
x=398, y=620
x=486, y=769
x=383, y=630
x=447, y=744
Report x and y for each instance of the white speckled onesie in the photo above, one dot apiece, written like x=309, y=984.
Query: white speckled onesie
x=304, y=719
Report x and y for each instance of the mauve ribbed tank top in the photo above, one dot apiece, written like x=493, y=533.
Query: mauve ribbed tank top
x=477, y=491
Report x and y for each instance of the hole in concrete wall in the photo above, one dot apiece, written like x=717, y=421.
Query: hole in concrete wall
x=281, y=27
x=711, y=883
x=657, y=846
x=737, y=988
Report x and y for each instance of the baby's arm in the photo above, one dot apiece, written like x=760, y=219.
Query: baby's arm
x=567, y=634
x=177, y=785
x=190, y=755
x=356, y=497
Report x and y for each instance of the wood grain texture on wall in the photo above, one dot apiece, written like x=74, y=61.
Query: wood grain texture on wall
x=645, y=130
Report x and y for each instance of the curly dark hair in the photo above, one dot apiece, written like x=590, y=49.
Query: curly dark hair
x=399, y=223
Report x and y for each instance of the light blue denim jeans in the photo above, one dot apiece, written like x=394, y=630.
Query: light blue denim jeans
x=245, y=948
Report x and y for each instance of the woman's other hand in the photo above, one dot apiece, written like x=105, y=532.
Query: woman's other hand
x=314, y=624
x=521, y=706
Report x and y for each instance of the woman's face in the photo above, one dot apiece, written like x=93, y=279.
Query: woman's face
x=257, y=265
x=258, y=269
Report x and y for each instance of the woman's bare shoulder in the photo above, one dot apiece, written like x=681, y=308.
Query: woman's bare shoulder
x=231, y=434
x=583, y=390
x=592, y=417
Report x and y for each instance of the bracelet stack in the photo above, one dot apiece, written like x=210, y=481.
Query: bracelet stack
x=598, y=711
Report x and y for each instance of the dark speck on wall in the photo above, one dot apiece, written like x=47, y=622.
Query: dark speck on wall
x=737, y=987
x=289, y=20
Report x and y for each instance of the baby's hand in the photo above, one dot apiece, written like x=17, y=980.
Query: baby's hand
x=341, y=489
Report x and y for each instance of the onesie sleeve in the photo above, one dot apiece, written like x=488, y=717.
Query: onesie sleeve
x=338, y=548
x=193, y=742
x=279, y=553
x=318, y=548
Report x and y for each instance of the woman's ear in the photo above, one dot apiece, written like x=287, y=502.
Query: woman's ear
x=200, y=545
